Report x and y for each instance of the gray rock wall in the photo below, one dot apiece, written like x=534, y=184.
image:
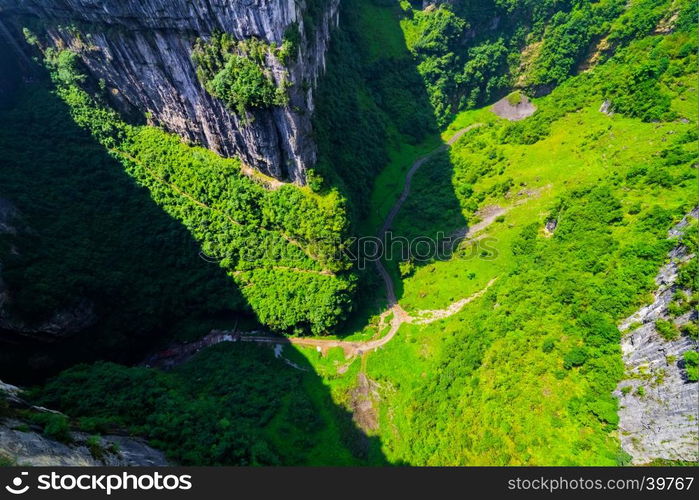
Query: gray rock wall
x=142, y=50
x=659, y=407
x=23, y=444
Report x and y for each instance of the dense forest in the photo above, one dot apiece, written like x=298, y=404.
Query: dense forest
x=572, y=208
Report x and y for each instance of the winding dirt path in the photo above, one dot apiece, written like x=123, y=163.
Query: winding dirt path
x=351, y=349
x=388, y=222
x=399, y=315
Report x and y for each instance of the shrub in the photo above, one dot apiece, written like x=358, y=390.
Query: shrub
x=58, y=428
x=281, y=247
x=691, y=365
x=690, y=329
x=666, y=329
x=575, y=357
x=94, y=444
x=407, y=268
x=4, y=406
x=235, y=72
x=548, y=345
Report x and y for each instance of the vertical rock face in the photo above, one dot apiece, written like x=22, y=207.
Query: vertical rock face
x=658, y=404
x=141, y=49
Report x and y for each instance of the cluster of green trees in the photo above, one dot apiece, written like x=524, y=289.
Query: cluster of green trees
x=563, y=297
x=470, y=53
x=230, y=405
x=88, y=238
x=236, y=71
x=481, y=156
x=525, y=375
x=283, y=247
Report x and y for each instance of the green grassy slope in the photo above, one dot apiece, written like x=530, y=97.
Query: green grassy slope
x=525, y=375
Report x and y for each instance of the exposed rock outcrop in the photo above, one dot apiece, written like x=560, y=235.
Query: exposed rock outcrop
x=141, y=49
x=24, y=446
x=659, y=406
x=514, y=107
x=606, y=107
x=22, y=443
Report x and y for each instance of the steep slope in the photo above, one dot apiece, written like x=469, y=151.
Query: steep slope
x=659, y=393
x=473, y=52
x=563, y=217
x=569, y=209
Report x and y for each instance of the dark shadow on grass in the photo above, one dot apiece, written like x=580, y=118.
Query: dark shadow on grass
x=94, y=268
x=86, y=241
x=369, y=104
x=230, y=404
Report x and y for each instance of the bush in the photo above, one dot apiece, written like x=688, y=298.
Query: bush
x=691, y=365
x=548, y=345
x=58, y=428
x=407, y=268
x=690, y=329
x=666, y=329
x=575, y=357
x=235, y=72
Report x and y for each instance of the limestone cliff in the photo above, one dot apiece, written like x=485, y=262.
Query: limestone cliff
x=24, y=443
x=658, y=403
x=141, y=50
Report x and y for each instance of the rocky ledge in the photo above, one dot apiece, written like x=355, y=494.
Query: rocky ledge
x=22, y=443
x=658, y=404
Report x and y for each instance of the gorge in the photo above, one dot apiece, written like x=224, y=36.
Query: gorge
x=199, y=202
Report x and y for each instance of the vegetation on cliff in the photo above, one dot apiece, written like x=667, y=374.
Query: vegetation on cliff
x=525, y=375
x=470, y=53
x=283, y=248
x=227, y=406
x=236, y=71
